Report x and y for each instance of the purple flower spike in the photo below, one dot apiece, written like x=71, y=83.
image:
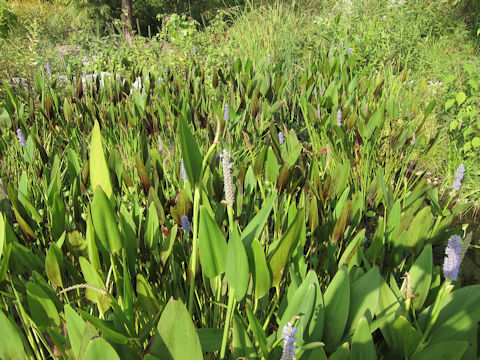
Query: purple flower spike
x=451, y=263
x=339, y=117
x=47, y=67
x=183, y=172
x=185, y=223
x=21, y=138
x=340, y=43
x=269, y=58
x=227, y=177
x=281, y=138
x=288, y=335
x=60, y=54
x=194, y=50
x=226, y=113
x=349, y=52
x=458, y=177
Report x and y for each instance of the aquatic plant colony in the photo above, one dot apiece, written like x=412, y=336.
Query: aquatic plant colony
x=241, y=214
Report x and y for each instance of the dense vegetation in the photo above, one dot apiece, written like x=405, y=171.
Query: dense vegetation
x=267, y=181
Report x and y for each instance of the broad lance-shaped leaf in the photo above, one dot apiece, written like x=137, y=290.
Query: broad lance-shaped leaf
x=75, y=329
x=337, y=303
x=421, y=276
x=255, y=226
x=99, y=174
x=98, y=348
x=53, y=264
x=211, y=245
x=152, y=233
x=11, y=346
x=364, y=298
x=192, y=160
x=283, y=251
x=104, y=222
x=261, y=275
x=177, y=337
x=236, y=267
x=97, y=294
x=363, y=347
x=42, y=309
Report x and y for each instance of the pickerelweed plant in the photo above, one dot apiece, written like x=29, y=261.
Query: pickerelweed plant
x=333, y=227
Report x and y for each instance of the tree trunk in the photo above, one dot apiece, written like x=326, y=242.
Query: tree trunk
x=127, y=19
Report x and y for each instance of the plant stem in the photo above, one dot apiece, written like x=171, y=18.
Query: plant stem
x=231, y=305
x=196, y=205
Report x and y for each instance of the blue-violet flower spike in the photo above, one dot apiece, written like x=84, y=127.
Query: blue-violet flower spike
x=226, y=113
x=453, y=258
x=185, y=223
x=227, y=177
x=281, y=138
x=458, y=177
x=21, y=138
x=339, y=117
x=183, y=172
x=47, y=67
x=288, y=336
x=349, y=52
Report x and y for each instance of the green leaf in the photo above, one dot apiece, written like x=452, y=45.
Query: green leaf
x=284, y=249
x=421, y=277
x=337, y=303
x=42, y=308
x=375, y=121
x=152, y=232
x=242, y=345
x=177, y=338
x=271, y=166
x=53, y=264
x=261, y=275
x=75, y=329
x=98, y=348
x=364, y=298
x=99, y=174
x=104, y=222
x=459, y=315
x=448, y=350
x=11, y=346
x=460, y=98
x=406, y=336
x=100, y=297
x=449, y=103
x=255, y=226
x=476, y=142
x=291, y=149
x=363, y=347
x=303, y=304
x=210, y=339
x=212, y=245
x=236, y=268
x=257, y=330
x=342, y=353
x=192, y=160
x=419, y=228
x=146, y=297
x=105, y=327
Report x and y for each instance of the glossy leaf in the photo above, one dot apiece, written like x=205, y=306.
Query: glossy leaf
x=212, y=245
x=363, y=347
x=192, y=159
x=11, y=346
x=104, y=222
x=282, y=252
x=337, y=303
x=99, y=173
x=98, y=348
x=236, y=267
x=177, y=337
